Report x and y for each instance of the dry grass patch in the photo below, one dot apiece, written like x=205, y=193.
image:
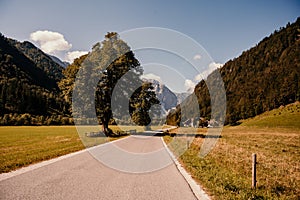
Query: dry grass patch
x=226, y=171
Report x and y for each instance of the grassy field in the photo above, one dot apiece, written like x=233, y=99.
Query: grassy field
x=225, y=172
x=24, y=145
x=285, y=116
x=21, y=146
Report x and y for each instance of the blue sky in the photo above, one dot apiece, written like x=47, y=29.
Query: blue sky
x=224, y=28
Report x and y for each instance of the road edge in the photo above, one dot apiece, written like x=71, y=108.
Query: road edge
x=197, y=190
x=34, y=166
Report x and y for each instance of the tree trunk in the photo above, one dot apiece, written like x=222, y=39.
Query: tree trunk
x=107, y=131
x=105, y=128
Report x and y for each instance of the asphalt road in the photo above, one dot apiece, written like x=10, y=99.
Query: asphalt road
x=83, y=176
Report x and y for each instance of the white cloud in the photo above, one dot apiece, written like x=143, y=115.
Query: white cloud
x=74, y=54
x=197, y=57
x=189, y=85
x=50, y=42
x=152, y=76
x=211, y=67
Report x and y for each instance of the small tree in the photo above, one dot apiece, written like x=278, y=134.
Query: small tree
x=140, y=103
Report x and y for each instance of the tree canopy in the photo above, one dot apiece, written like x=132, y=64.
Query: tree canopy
x=111, y=66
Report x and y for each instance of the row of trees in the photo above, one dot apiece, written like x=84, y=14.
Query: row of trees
x=27, y=119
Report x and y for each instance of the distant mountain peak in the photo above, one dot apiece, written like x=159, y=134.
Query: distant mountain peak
x=166, y=97
x=64, y=64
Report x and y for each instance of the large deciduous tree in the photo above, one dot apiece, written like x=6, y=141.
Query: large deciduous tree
x=116, y=61
x=111, y=66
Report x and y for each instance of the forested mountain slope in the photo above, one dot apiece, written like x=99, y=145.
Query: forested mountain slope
x=24, y=87
x=261, y=79
x=41, y=59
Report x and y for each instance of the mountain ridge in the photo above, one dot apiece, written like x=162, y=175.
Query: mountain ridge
x=262, y=78
x=25, y=89
x=63, y=64
x=41, y=59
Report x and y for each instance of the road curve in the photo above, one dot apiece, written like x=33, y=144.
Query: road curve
x=83, y=177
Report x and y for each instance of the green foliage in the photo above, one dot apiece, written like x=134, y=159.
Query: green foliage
x=116, y=59
x=140, y=103
x=27, y=119
x=66, y=84
x=110, y=66
x=100, y=71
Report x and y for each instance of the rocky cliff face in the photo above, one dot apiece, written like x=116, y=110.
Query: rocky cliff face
x=181, y=96
x=167, y=98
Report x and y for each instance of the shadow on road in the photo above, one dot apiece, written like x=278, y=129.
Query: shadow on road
x=155, y=133
x=160, y=134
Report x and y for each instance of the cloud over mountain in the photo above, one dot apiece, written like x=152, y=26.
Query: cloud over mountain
x=152, y=76
x=211, y=67
x=50, y=42
x=189, y=85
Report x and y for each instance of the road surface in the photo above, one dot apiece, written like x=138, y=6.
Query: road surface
x=83, y=176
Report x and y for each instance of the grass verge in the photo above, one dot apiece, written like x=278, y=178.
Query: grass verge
x=225, y=172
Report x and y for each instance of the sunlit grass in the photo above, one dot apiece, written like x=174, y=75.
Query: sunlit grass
x=24, y=145
x=285, y=116
x=225, y=172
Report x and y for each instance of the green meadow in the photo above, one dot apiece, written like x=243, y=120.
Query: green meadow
x=24, y=145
